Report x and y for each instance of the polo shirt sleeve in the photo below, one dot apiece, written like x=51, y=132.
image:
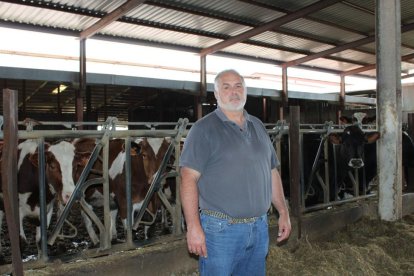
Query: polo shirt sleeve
x=274, y=162
x=196, y=149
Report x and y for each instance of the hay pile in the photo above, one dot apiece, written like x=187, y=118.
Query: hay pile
x=368, y=247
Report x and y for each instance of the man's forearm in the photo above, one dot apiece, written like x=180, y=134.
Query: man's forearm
x=189, y=197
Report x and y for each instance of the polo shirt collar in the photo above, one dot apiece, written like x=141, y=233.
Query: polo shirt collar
x=224, y=118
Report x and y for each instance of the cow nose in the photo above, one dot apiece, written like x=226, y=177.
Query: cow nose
x=356, y=163
x=66, y=197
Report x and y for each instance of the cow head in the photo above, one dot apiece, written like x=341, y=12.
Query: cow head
x=359, y=118
x=83, y=150
x=59, y=158
x=57, y=172
x=149, y=159
x=352, y=142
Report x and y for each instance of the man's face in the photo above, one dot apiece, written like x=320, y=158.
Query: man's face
x=231, y=95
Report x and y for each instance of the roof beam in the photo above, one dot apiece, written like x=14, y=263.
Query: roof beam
x=341, y=48
x=308, y=17
x=372, y=66
x=407, y=76
x=268, y=26
x=330, y=51
x=110, y=17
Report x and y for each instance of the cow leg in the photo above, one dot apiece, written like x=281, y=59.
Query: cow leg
x=146, y=228
x=89, y=227
x=38, y=230
x=168, y=194
x=164, y=219
x=22, y=234
x=114, y=214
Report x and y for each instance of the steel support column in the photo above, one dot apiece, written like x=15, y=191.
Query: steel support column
x=203, y=87
x=284, y=93
x=82, y=81
x=341, y=99
x=388, y=34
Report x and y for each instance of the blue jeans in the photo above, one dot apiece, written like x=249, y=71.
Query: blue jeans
x=234, y=249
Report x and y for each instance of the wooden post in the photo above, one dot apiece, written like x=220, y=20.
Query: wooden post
x=294, y=148
x=9, y=175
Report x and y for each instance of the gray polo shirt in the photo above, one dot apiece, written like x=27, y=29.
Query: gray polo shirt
x=235, y=164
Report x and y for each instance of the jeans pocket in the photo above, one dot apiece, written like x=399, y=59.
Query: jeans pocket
x=213, y=225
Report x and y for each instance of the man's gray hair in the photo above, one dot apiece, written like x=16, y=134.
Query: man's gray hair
x=218, y=77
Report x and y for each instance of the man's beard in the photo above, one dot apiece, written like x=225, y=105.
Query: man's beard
x=231, y=107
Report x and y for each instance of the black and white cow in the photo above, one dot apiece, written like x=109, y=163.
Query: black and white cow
x=353, y=154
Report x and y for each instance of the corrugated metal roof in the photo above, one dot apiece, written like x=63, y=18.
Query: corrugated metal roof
x=200, y=24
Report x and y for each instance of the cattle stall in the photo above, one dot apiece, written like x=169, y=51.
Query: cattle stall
x=31, y=129
x=69, y=131
x=318, y=170
x=280, y=134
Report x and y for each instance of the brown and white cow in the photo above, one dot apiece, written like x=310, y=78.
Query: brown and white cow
x=160, y=146
x=143, y=168
x=58, y=176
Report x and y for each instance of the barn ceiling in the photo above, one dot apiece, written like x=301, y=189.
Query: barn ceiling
x=332, y=35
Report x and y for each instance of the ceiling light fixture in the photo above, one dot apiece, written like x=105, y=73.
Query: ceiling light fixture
x=61, y=88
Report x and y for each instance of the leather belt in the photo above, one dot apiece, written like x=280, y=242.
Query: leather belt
x=221, y=215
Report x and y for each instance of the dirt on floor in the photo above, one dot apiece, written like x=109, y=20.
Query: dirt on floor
x=368, y=247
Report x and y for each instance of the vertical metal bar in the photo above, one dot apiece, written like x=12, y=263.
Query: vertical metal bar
x=203, y=86
x=264, y=109
x=327, y=190
x=59, y=107
x=177, y=216
x=302, y=173
x=88, y=97
x=105, y=102
x=203, y=77
x=341, y=97
x=9, y=175
x=106, y=241
x=284, y=93
x=24, y=107
x=128, y=190
x=364, y=181
x=42, y=199
x=335, y=173
x=82, y=82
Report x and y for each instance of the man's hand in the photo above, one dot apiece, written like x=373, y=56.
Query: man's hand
x=284, y=228
x=196, y=242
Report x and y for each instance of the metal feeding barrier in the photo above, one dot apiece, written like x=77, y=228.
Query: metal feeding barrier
x=156, y=183
x=82, y=184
